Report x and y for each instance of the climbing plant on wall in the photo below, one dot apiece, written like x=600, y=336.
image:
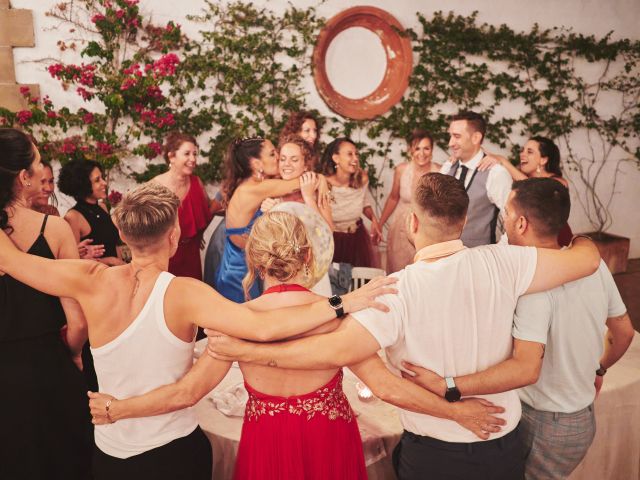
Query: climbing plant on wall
x=248, y=67
x=126, y=66
x=553, y=82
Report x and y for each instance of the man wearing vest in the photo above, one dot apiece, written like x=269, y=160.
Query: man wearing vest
x=488, y=190
x=453, y=314
x=566, y=326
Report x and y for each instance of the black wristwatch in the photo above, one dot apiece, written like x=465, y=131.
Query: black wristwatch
x=336, y=304
x=601, y=371
x=452, y=394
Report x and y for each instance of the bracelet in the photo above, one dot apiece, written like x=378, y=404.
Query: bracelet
x=106, y=407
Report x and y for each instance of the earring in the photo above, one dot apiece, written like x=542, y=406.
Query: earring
x=28, y=184
x=260, y=175
x=307, y=270
x=538, y=169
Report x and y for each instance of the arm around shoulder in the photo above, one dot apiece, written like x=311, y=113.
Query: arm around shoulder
x=556, y=267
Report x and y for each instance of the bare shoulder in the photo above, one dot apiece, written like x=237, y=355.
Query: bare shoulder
x=184, y=290
x=161, y=179
x=73, y=215
x=401, y=167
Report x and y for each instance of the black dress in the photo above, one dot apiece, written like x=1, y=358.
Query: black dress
x=103, y=232
x=45, y=425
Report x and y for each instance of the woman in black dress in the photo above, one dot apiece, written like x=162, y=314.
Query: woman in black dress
x=45, y=424
x=89, y=218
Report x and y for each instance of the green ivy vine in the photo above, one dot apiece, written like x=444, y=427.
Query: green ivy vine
x=245, y=71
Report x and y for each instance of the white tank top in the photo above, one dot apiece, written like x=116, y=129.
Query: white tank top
x=143, y=357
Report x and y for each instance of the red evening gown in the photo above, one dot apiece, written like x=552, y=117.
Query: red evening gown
x=306, y=437
x=194, y=217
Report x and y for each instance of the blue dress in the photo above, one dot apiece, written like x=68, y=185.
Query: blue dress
x=233, y=266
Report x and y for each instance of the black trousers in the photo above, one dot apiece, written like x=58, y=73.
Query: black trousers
x=421, y=458
x=186, y=458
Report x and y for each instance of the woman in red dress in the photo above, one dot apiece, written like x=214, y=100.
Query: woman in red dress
x=181, y=152
x=298, y=424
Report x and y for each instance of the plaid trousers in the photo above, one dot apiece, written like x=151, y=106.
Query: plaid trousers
x=555, y=443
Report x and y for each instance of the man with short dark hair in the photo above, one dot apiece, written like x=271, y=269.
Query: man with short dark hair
x=558, y=422
x=488, y=189
x=453, y=314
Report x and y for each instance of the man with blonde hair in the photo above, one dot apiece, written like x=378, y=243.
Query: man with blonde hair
x=142, y=323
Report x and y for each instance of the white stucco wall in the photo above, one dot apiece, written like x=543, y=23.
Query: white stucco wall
x=584, y=16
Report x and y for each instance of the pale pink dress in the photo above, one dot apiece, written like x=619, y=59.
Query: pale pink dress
x=400, y=252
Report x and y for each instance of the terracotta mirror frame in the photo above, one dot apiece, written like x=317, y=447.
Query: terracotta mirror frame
x=399, y=63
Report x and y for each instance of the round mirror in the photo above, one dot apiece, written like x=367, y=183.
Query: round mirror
x=361, y=62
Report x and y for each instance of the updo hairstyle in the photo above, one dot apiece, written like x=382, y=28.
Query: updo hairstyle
x=277, y=247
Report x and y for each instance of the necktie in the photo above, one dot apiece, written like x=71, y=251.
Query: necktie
x=463, y=174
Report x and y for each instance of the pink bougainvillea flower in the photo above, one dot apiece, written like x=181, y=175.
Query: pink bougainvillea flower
x=23, y=116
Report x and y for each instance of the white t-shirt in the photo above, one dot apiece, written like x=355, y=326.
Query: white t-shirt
x=570, y=320
x=455, y=316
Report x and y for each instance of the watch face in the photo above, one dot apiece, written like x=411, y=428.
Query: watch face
x=335, y=301
x=452, y=394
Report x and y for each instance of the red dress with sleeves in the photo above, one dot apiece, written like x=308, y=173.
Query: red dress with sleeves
x=194, y=217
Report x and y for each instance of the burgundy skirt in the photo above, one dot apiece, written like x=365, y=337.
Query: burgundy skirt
x=354, y=248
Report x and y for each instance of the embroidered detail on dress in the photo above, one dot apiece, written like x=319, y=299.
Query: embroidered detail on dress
x=329, y=401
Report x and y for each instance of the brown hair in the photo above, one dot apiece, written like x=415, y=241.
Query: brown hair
x=146, y=213
x=173, y=141
x=277, y=246
x=442, y=197
x=294, y=123
x=328, y=166
x=475, y=121
x=307, y=154
x=545, y=202
x=237, y=163
x=417, y=136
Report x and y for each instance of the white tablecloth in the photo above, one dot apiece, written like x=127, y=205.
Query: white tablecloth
x=614, y=454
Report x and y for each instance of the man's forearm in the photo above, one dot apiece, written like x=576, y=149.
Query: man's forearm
x=617, y=340
x=505, y=376
x=399, y=392
x=199, y=381
x=318, y=352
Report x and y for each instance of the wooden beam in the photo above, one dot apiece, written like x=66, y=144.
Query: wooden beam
x=12, y=99
x=16, y=28
x=7, y=71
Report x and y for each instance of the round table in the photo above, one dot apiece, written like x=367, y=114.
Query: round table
x=614, y=454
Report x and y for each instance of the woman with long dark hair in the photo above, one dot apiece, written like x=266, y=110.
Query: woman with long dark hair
x=248, y=162
x=43, y=409
x=349, y=183
x=540, y=157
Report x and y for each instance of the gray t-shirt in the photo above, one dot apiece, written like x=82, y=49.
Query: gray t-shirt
x=570, y=320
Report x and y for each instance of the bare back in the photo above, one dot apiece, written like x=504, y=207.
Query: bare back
x=112, y=305
x=280, y=381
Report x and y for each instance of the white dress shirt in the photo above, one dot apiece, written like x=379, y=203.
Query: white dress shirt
x=499, y=180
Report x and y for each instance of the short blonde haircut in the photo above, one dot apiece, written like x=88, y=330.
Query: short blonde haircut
x=278, y=246
x=146, y=213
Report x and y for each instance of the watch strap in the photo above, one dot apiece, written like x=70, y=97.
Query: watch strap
x=450, y=382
